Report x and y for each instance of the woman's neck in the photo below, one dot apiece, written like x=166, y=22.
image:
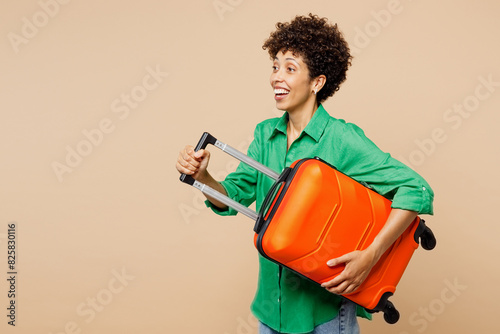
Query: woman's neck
x=298, y=120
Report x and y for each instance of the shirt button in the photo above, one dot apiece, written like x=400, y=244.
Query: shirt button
x=423, y=188
x=278, y=300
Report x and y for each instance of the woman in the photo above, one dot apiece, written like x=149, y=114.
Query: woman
x=310, y=60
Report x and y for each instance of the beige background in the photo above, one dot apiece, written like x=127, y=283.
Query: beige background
x=122, y=212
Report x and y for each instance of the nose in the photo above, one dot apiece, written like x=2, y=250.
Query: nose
x=276, y=77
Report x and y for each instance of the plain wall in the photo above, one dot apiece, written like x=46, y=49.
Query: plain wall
x=108, y=239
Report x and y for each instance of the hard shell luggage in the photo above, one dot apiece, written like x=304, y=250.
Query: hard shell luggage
x=314, y=213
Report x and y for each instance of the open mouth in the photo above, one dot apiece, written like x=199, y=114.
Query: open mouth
x=280, y=93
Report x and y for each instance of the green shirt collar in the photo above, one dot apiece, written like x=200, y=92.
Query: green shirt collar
x=314, y=128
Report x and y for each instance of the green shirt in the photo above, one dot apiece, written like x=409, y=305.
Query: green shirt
x=285, y=301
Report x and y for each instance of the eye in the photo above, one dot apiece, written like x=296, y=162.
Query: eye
x=291, y=69
x=275, y=68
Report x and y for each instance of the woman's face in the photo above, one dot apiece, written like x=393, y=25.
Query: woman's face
x=293, y=89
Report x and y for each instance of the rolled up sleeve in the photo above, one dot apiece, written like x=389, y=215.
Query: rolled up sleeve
x=365, y=162
x=418, y=198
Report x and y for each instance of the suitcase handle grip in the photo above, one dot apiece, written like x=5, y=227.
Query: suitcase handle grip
x=206, y=138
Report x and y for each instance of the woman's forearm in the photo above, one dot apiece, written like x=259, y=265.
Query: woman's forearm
x=397, y=222
x=214, y=184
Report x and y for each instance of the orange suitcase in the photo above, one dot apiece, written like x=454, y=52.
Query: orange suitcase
x=314, y=213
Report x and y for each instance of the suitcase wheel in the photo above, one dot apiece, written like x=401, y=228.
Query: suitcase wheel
x=391, y=315
x=427, y=239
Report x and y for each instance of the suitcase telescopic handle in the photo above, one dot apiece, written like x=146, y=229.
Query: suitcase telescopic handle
x=206, y=139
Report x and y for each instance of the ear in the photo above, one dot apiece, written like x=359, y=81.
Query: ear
x=318, y=83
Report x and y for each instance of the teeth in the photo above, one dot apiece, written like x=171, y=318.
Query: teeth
x=280, y=91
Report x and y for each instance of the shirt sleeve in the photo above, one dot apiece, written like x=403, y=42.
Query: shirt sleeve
x=240, y=185
x=362, y=160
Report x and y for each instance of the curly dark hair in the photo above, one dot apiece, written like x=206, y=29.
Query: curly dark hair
x=319, y=43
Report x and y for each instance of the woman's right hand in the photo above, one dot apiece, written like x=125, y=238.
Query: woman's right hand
x=193, y=163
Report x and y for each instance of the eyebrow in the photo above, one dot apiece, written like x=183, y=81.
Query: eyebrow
x=292, y=59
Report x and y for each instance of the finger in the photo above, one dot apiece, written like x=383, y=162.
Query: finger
x=198, y=158
x=189, y=154
x=183, y=169
x=181, y=160
x=339, y=260
x=189, y=150
x=186, y=165
x=203, y=157
x=199, y=154
x=351, y=288
x=336, y=281
x=196, y=155
x=340, y=289
x=186, y=161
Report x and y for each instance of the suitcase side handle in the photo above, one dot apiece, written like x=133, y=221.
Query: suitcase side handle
x=267, y=203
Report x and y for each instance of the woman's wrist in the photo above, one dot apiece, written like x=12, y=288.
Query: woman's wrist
x=375, y=252
x=205, y=178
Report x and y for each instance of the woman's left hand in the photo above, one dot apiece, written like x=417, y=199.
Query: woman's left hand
x=358, y=265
